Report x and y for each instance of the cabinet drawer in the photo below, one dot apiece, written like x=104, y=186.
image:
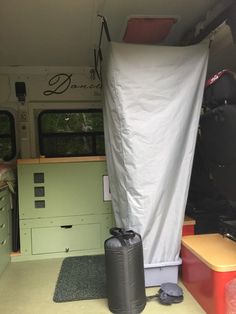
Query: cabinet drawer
x=3, y=191
x=4, y=253
x=66, y=238
x=4, y=211
x=3, y=230
x=4, y=197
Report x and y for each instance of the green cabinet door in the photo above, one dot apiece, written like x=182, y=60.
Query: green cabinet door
x=67, y=189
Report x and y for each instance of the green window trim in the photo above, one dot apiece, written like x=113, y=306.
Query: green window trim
x=70, y=133
x=7, y=136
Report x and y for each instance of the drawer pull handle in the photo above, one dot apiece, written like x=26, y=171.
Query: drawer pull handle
x=66, y=226
x=2, y=226
x=3, y=242
x=2, y=209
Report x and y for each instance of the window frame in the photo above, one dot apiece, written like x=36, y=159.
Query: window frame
x=42, y=134
x=12, y=135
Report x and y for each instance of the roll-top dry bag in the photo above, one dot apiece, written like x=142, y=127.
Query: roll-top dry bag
x=125, y=272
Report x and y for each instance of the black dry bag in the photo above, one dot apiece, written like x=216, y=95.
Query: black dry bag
x=125, y=272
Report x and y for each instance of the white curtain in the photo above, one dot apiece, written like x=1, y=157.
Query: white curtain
x=153, y=97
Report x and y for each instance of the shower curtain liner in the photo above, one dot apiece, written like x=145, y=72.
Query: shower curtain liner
x=153, y=97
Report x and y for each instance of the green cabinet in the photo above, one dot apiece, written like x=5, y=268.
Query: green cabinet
x=65, y=239
x=62, y=209
x=61, y=189
x=5, y=228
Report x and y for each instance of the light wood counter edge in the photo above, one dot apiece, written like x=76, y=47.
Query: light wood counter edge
x=188, y=221
x=60, y=160
x=28, y=161
x=16, y=253
x=217, y=268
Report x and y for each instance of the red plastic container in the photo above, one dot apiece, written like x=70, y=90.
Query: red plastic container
x=230, y=295
x=188, y=226
x=208, y=264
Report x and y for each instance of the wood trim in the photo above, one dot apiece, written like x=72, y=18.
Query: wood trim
x=16, y=253
x=43, y=160
x=189, y=221
x=28, y=161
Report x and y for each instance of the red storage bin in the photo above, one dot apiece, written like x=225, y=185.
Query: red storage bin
x=230, y=296
x=188, y=227
x=208, y=264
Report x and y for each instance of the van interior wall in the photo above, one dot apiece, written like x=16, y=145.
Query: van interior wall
x=83, y=92
x=222, y=51
x=47, y=88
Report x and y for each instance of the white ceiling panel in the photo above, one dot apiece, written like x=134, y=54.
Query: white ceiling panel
x=45, y=32
x=64, y=32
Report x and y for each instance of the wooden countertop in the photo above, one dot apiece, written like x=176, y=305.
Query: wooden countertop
x=43, y=160
x=217, y=252
x=188, y=221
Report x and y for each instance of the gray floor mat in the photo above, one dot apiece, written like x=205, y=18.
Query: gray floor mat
x=81, y=278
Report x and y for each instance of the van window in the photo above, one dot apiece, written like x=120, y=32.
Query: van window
x=7, y=136
x=71, y=133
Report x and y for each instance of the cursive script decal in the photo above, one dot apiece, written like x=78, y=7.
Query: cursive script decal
x=60, y=83
x=86, y=86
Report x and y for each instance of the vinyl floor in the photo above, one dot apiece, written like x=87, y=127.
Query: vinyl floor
x=28, y=287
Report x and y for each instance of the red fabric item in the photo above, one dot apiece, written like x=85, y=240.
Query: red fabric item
x=147, y=30
x=215, y=77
